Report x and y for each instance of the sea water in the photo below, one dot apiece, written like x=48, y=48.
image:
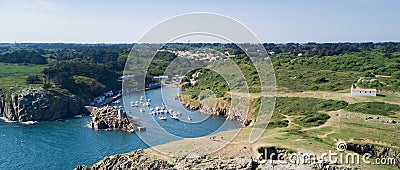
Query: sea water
x=69, y=143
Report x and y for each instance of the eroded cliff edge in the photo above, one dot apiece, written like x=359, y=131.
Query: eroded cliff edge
x=38, y=104
x=220, y=108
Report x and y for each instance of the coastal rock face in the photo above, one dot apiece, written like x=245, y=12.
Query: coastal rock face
x=221, y=108
x=108, y=118
x=39, y=105
x=375, y=151
x=142, y=159
x=135, y=160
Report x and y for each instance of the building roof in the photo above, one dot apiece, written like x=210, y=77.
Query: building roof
x=364, y=89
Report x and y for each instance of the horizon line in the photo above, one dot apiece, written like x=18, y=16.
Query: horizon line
x=297, y=42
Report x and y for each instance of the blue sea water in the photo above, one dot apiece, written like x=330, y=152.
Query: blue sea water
x=66, y=144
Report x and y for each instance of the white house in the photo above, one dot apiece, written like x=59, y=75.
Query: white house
x=160, y=77
x=362, y=92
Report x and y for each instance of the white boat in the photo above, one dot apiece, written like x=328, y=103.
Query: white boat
x=174, y=117
x=147, y=103
x=151, y=109
x=149, y=100
x=162, y=118
x=153, y=112
x=29, y=122
x=157, y=108
x=189, y=118
x=178, y=113
x=141, y=110
x=132, y=104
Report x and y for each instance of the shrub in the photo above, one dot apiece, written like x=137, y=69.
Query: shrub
x=396, y=75
x=377, y=108
x=320, y=80
x=33, y=80
x=312, y=119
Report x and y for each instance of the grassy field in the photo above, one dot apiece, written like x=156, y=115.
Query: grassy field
x=315, y=121
x=13, y=76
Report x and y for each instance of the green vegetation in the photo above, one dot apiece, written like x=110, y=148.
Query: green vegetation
x=23, y=56
x=84, y=78
x=90, y=69
x=304, y=106
x=300, y=79
x=337, y=72
x=312, y=119
x=206, y=80
x=14, y=76
x=333, y=67
x=380, y=83
x=278, y=124
x=305, y=110
x=376, y=108
x=160, y=63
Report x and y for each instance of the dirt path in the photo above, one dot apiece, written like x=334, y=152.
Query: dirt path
x=389, y=98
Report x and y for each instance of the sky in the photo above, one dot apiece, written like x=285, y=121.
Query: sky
x=125, y=21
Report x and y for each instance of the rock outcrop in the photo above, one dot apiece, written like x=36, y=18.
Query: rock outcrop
x=142, y=159
x=220, y=108
x=375, y=151
x=39, y=105
x=111, y=118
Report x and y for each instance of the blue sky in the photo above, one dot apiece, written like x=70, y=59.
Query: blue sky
x=94, y=21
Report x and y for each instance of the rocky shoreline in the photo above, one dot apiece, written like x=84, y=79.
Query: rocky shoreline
x=149, y=159
x=111, y=118
x=37, y=104
x=220, y=108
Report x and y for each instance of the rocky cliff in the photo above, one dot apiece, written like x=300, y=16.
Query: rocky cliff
x=220, y=108
x=109, y=118
x=39, y=105
x=145, y=159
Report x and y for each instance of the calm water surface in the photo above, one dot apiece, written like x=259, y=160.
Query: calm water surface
x=66, y=144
